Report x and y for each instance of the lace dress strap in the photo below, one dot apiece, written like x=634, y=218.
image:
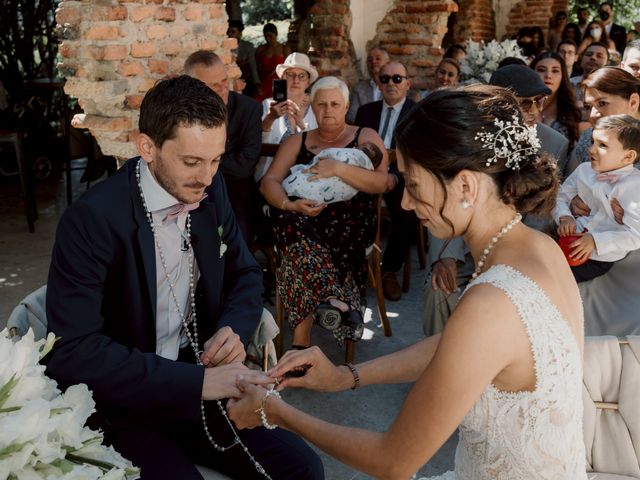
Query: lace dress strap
x=546, y=328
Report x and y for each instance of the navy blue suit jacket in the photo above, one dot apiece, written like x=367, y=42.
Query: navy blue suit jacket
x=101, y=298
x=369, y=115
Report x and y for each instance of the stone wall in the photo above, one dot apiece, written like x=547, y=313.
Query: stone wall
x=412, y=32
x=114, y=51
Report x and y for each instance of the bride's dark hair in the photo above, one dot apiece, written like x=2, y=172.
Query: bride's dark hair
x=439, y=136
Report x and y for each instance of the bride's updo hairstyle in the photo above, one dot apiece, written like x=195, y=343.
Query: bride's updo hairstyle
x=441, y=136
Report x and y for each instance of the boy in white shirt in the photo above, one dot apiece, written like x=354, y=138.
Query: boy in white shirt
x=610, y=174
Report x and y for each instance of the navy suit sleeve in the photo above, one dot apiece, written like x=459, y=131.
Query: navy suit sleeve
x=241, y=159
x=84, y=259
x=242, y=307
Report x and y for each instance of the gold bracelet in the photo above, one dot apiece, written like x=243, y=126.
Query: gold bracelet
x=284, y=203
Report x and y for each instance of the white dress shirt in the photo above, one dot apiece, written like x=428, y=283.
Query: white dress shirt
x=170, y=234
x=613, y=241
x=395, y=114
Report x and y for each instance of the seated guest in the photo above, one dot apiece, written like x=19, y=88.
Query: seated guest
x=572, y=32
x=302, y=183
x=595, y=34
x=610, y=174
x=268, y=56
x=153, y=296
x=560, y=111
x=447, y=74
x=595, y=56
x=456, y=52
x=242, y=149
x=567, y=50
x=246, y=59
x=367, y=91
x=607, y=91
x=323, y=270
x=615, y=32
x=293, y=115
x=631, y=58
x=383, y=116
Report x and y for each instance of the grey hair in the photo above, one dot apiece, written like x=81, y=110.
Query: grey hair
x=329, y=83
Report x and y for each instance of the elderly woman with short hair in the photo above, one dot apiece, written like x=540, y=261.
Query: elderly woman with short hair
x=323, y=271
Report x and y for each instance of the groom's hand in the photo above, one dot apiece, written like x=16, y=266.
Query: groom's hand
x=223, y=348
x=222, y=381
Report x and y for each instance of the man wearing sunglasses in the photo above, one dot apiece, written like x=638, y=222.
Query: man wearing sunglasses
x=383, y=116
x=451, y=262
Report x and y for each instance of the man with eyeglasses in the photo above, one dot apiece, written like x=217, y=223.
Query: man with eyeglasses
x=367, y=91
x=568, y=49
x=383, y=116
x=244, y=139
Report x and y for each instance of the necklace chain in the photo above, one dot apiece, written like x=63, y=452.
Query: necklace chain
x=344, y=129
x=485, y=253
x=185, y=319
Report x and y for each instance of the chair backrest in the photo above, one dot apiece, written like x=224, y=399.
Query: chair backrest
x=611, y=395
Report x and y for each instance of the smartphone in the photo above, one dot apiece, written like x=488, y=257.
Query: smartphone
x=279, y=90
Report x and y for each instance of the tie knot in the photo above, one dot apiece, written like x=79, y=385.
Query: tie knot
x=609, y=178
x=180, y=208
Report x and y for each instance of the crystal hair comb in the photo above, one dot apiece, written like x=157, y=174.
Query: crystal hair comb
x=513, y=142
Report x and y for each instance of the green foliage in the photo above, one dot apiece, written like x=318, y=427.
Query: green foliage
x=256, y=12
x=28, y=45
x=625, y=11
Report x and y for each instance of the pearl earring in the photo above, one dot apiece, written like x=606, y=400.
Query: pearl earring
x=465, y=204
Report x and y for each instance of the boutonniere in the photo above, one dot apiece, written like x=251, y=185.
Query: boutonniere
x=223, y=246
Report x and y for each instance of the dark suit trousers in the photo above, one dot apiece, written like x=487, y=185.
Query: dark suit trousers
x=169, y=451
x=404, y=225
x=244, y=198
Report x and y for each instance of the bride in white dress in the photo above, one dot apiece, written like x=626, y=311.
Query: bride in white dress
x=507, y=368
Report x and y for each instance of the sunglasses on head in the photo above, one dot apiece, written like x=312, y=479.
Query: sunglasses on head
x=395, y=78
x=527, y=103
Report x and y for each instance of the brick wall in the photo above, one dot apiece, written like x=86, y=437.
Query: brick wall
x=114, y=51
x=474, y=20
x=412, y=32
x=530, y=13
x=331, y=49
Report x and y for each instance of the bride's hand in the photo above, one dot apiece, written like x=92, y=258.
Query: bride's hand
x=318, y=373
x=244, y=411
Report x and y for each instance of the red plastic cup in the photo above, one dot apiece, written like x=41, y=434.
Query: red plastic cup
x=564, y=243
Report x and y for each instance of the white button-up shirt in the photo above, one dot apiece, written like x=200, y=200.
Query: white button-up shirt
x=395, y=114
x=171, y=237
x=613, y=241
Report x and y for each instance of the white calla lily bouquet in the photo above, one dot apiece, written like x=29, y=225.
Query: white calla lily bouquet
x=42, y=432
x=483, y=59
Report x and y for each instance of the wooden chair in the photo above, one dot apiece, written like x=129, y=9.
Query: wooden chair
x=420, y=243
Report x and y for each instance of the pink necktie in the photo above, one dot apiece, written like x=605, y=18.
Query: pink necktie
x=179, y=208
x=609, y=178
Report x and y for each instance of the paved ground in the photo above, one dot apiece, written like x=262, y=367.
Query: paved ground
x=24, y=259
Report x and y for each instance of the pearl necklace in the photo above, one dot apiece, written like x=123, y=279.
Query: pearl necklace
x=485, y=253
x=185, y=319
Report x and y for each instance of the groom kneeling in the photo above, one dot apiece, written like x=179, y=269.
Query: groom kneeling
x=147, y=266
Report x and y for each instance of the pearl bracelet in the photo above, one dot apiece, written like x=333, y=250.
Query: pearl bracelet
x=263, y=415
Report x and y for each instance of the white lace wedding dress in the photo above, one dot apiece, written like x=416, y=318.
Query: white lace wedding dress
x=528, y=435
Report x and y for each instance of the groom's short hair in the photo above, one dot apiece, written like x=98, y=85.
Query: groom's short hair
x=179, y=101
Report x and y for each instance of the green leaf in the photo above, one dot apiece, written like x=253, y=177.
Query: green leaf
x=11, y=449
x=9, y=409
x=5, y=391
x=106, y=466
